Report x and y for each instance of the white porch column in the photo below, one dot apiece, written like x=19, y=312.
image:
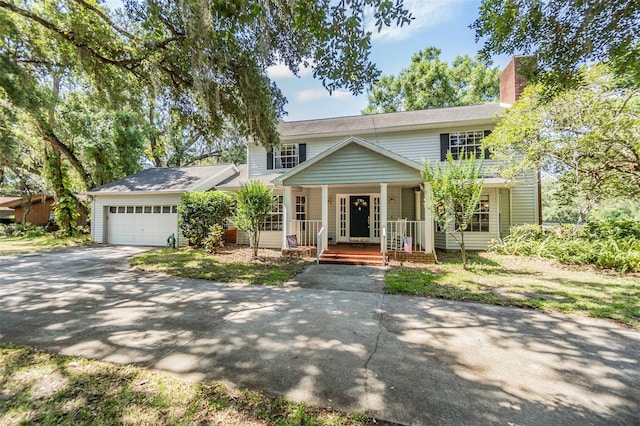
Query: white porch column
x=325, y=216
x=287, y=214
x=428, y=220
x=498, y=231
x=383, y=213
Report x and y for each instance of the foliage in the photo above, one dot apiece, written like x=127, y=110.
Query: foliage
x=588, y=138
x=255, y=204
x=22, y=230
x=214, y=239
x=199, y=212
x=432, y=83
x=563, y=35
x=614, y=245
x=455, y=192
x=230, y=266
x=107, y=393
x=524, y=282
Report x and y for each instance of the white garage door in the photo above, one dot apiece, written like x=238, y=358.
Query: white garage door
x=141, y=225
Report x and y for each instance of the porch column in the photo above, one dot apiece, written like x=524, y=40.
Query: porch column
x=287, y=214
x=498, y=231
x=428, y=220
x=325, y=216
x=418, y=206
x=383, y=213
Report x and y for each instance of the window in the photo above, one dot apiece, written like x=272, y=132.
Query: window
x=157, y=209
x=120, y=209
x=287, y=156
x=480, y=220
x=113, y=209
x=301, y=209
x=129, y=209
x=468, y=142
x=166, y=209
x=274, y=221
x=147, y=209
x=138, y=209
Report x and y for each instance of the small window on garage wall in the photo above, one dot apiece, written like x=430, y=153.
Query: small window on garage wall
x=147, y=209
x=174, y=209
x=129, y=209
x=113, y=209
x=138, y=209
x=120, y=209
x=157, y=209
x=166, y=209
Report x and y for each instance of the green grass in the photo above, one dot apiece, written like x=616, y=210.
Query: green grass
x=44, y=389
x=527, y=283
x=26, y=244
x=235, y=265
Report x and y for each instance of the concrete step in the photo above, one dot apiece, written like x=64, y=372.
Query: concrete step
x=371, y=259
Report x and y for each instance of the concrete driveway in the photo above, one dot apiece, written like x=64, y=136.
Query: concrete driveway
x=403, y=359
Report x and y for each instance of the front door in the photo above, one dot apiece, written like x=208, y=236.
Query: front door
x=359, y=207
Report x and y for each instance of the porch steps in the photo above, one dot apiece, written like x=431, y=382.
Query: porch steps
x=352, y=258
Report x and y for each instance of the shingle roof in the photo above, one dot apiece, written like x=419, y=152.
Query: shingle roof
x=243, y=177
x=393, y=121
x=166, y=179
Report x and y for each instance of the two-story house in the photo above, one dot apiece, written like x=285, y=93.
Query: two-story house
x=358, y=179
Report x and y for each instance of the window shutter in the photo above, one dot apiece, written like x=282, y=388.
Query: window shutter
x=302, y=152
x=270, y=160
x=444, y=145
x=487, y=154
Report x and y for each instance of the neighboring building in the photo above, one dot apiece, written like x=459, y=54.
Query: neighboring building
x=141, y=209
x=6, y=211
x=38, y=206
x=358, y=179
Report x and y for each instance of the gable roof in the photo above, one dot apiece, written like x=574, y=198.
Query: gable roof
x=390, y=122
x=351, y=140
x=169, y=180
x=15, y=202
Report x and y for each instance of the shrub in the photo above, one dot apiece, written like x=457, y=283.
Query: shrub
x=606, y=244
x=215, y=239
x=19, y=230
x=198, y=212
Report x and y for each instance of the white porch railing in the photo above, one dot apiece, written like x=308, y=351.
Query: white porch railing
x=405, y=235
x=320, y=248
x=306, y=231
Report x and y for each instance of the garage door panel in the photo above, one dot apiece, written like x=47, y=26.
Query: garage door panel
x=141, y=228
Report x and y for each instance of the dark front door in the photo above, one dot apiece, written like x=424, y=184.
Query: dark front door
x=359, y=216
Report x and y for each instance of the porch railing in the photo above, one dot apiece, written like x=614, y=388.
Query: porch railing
x=306, y=231
x=405, y=235
x=320, y=248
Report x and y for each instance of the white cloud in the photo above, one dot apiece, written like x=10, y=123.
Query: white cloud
x=425, y=13
x=313, y=94
x=282, y=71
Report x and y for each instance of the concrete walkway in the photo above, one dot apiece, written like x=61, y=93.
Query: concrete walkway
x=403, y=359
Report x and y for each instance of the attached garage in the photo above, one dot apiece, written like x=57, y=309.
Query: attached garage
x=142, y=209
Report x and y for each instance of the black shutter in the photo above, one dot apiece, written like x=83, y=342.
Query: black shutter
x=444, y=146
x=270, y=160
x=302, y=152
x=486, y=151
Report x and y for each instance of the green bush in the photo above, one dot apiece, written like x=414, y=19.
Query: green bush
x=19, y=230
x=606, y=244
x=215, y=239
x=198, y=212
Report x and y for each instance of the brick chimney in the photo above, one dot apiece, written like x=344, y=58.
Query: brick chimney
x=511, y=82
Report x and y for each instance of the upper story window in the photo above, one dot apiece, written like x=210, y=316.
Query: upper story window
x=287, y=156
x=463, y=143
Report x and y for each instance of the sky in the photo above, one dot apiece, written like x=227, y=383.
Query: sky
x=440, y=23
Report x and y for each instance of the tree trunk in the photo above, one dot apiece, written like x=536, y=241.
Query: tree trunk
x=463, y=251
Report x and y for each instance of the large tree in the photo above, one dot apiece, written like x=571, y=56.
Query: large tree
x=431, y=83
x=563, y=35
x=587, y=137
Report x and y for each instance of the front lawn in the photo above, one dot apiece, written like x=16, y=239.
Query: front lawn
x=30, y=244
x=230, y=265
x=524, y=282
x=39, y=388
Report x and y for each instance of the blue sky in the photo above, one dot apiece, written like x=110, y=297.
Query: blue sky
x=440, y=23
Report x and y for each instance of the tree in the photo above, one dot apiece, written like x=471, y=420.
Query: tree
x=455, y=192
x=255, y=202
x=432, y=83
x=587, y=137
x=563, y=35
x=200, y=212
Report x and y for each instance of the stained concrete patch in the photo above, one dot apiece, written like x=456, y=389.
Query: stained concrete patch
x=365, y=279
